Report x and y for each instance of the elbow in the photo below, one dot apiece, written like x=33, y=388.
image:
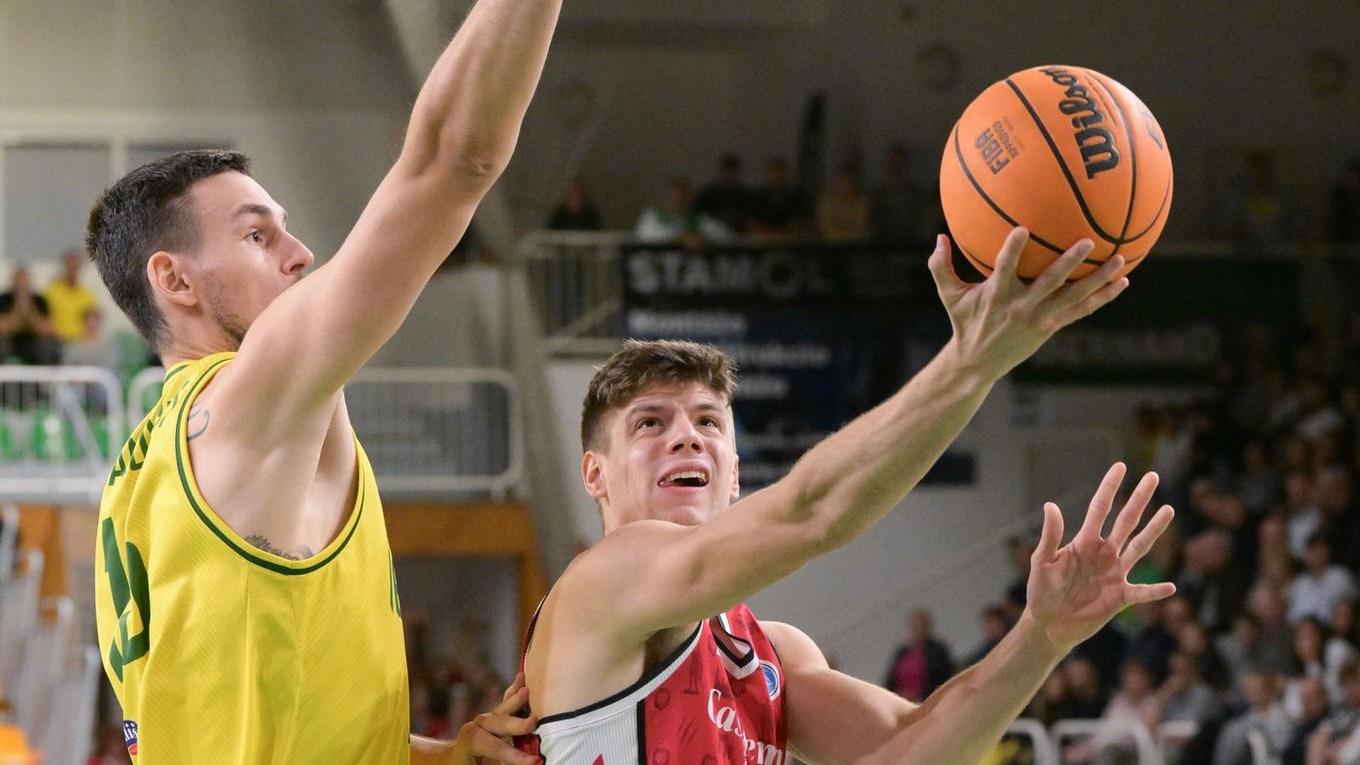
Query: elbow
x=477, y=165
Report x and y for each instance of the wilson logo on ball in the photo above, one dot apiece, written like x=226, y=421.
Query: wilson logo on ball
x=1096, y=143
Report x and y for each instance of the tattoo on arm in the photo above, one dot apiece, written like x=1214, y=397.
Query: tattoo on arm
x=264, y=544
x=198, y=421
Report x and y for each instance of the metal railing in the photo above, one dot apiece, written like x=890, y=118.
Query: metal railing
x=577, y=288
x=427, y=431
x=59, y=427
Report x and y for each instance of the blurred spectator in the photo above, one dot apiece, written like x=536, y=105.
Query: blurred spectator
x=25, y=324
x=1264, y=218
x=780, y=208
x=1134, y=703
x=920, y=665
x=1105, y=650
x=1151, y=643
x=1313, y=709
x=1049, y=704
x=1275, y=647
x=677, y=220
x=1321, y=583
x=843, y=209
x=1239, y=648
x=68, y=300
x=1258, y=482
x=1344, y=213
x=1341, y=623
x=1085, y=697
x=576, y=212
x=1318, y=414
x=1264, y=714
x=1336, y=740
x=1186, y=697
x=1302, y=518
x=1019, y=548
x=726, y=197
x=995, y=625
x=1209, y=581
x=1193, y=640
x=92, y=349
x=897, y=205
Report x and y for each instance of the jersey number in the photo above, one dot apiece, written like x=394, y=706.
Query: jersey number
x=130, y=585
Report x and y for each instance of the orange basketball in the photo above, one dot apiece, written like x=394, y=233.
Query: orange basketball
x=1066, y=152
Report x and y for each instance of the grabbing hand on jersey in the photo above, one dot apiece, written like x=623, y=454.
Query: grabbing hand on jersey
x=1075, y=589
x=488, y=737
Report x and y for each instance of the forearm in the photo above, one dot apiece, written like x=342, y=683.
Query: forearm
x=426, y=751
x=855, y=476
x=965, y=718
x=470, y=109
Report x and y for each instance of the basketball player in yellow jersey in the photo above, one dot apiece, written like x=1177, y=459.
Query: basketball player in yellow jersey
x=245, y=599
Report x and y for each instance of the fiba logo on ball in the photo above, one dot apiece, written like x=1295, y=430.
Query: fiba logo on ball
x=1066, y=152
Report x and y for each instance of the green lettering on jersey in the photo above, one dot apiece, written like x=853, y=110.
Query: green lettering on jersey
x=129, y=586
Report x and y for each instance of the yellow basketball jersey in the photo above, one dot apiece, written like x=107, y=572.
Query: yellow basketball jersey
x=223, y=653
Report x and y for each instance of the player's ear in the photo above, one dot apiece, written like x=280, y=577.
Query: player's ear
x=592, y=474
x=166, y=273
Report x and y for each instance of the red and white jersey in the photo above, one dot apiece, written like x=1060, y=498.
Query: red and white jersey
x=717, y=700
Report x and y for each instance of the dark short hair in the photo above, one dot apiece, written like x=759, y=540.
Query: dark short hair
x=644, y=364
x=147, y=211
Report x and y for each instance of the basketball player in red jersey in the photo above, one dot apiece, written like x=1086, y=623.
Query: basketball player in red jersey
x=643, y=652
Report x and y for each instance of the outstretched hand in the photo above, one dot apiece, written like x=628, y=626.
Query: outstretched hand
x=1002, y=321
x=1075, y=589
x=488, y=736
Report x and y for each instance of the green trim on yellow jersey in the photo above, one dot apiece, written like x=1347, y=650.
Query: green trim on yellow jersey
x=224, y=532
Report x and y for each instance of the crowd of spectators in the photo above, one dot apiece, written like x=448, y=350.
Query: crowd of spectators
x=1257, y=213
x=1260, y=647
x=727, y=208
x=61, y=323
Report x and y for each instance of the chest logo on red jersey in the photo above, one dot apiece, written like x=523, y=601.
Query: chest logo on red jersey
x=772, y=682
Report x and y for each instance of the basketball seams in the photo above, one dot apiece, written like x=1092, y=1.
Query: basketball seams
x=1157, y=217
x=1118, y=104
x=1062, y=164
x=982, y=194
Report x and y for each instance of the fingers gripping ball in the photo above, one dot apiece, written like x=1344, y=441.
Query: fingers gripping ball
x=1066, y=152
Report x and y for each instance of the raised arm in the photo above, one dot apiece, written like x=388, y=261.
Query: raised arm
x=844, y=484
x=1073, y=591
x=463, y=129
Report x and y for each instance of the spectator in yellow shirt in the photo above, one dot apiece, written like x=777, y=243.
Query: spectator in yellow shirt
x=68, y=300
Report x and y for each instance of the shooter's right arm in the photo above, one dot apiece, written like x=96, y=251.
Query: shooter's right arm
x=851, y=479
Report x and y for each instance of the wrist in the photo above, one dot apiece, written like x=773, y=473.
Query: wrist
x=1036, y=641
x=968, y=368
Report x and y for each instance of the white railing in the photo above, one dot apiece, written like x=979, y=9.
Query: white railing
x=59, y=427
x=1108, y=732
x=577, y=288
x=427, y=431
x=1040, y=742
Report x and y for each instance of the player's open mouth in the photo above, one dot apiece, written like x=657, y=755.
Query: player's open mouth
x=688, y=478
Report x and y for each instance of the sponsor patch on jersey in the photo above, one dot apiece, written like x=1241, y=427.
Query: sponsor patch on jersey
x=130, y=736
x=772, y=683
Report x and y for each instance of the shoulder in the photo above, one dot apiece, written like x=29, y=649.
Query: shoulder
x=795, y=648
x=625, y=549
